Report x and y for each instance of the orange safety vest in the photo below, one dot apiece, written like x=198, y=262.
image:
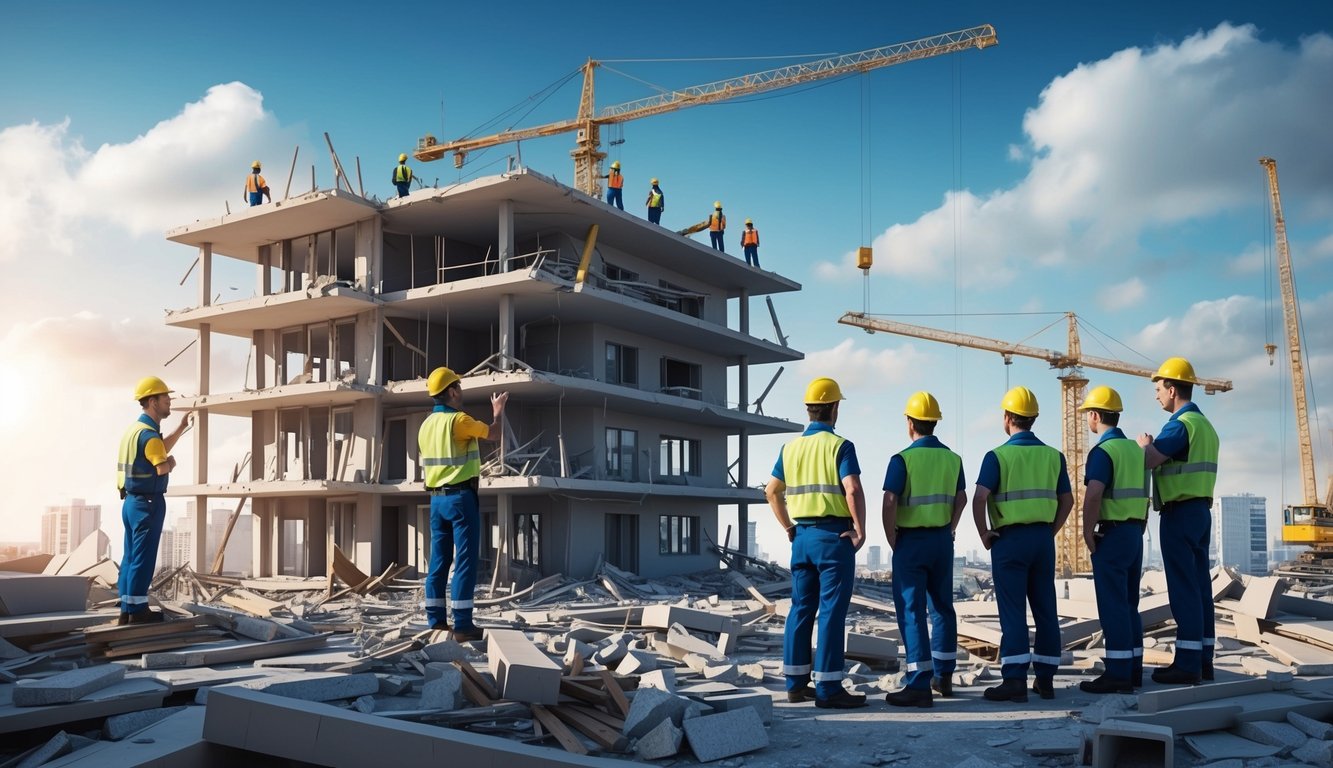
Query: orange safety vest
x=616, y=180
x=750, y=237
x=254, y=183
x=717, y=222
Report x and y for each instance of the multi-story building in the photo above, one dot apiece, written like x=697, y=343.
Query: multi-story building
x=177, y=546
x=1243, y=533
x=873, y=558
x=611, y=335
x=64, y=528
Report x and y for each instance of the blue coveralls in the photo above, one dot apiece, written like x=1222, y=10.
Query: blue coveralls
x=1023, y=569
x=455, y=539
x=823, y=572
x=142, y=514
x=1117, y=566
x=923, y=577
x=1185, y=528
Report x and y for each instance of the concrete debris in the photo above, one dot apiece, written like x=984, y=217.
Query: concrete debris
x=1315, y=752
x=118, y=727
x=662, y=741
x=1283, y=735
x=444, y=692
x=1315, y=729
x=650, y=707
x=67, y=687
x=446, y=651
x=714, y=737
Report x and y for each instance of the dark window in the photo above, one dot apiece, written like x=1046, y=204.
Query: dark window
x=682, y=379
x=622, y=454
x=678, y=456
x=622, y=365
x=678, y=535
x=527, y=538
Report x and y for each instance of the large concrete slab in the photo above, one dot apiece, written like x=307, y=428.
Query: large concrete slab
x=68, y=686
x=22, y=594
x=1117, y=744
x=125, y=696
x=522, y=671
x=713, y=737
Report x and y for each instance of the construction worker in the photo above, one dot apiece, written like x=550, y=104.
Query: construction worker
x=142, y=467
x=402, y=176
x=923, y=501
x=452, y=465
x=1115, y=513
x=750, y=243
x=1025, y=484
x=615, y=185
x=656, y=203
x=1183, y=460
x=256, y=189
x=816, y=496
x=717, y=226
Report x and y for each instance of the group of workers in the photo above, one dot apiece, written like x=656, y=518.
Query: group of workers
x=1022, y=499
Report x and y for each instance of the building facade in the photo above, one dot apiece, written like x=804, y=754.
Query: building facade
x=65, y=527
x=611, y=335
x=1243, y=533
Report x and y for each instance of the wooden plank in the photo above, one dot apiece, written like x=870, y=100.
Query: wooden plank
x=141, y=647
x=234, y=653
x=613, y=688
x=535, y=589
x=559, y=730
x=473, y=693
x=52, y=623
x=477, y=679
x=251, y=603
x=610, y=720
x=346, y=570
x=581, y=692
x=744, y=583
x=606, y=737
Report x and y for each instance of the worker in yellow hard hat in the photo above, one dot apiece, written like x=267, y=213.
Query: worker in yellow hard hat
x=924, y=498
x=1183, y=460
x=750, y=243
x=256, y=189
x=615, y=186
x=402, y=176
x=815, y=494
x=451, y=462
x=1023, y=498
x=1115, y=513
x=656, y=203
x=142, y=467
x=717, y=226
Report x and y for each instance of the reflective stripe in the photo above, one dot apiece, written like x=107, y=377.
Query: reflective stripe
x=1180, y=469
x=1189, y=645
x=134, y=599
x=1125, y=493
x=929, y=488
x=1035, y=493
x=1119, y=654
x=919, y=666
x=1209, y=642
x=1020, y=659
x=934, y=498
x=943, y=656
x=821, y=677
x=1138, y=652
x=436, y=602
x=451, y=461
x=1052, y=660
x=463, y=604
x=795, y=490
x=795, y=669
x=444, y=459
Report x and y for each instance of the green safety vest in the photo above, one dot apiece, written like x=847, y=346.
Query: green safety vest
x=810, y=463
x=932, y=485
x=1195, y=477
x=1028, y=476
x=444, y=460
x=1127, y=496
x=134, y=473
x=402, y=173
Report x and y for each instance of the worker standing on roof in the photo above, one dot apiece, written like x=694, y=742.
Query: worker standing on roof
x=1183, y=460
x=615, y=185
x=1026, y=485
x=142, y=468
x=750, y=243
x=923, y=501
x=816, y=496
x=452, y=465
x=256, y=189
x=717, y=226
x=656, y=203
x=402, y=176
x=1115, y=512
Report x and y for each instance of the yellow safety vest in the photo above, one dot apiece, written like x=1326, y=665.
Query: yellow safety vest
x=402, y=174
x=134, y=473
x=810, y=464
x=1127, y=497
x=1196, y=476
x=932, y=485
x=1028, y=477
x=446, y=461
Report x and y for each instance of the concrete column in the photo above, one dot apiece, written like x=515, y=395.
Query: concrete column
x=264, y=272
x=369, y=242
x=203, y=352
x=506, y=234
x=317, y=544
x=369, y=347
x=504, y=515
x=743, y=442
x=507, y=331
x=369, y=548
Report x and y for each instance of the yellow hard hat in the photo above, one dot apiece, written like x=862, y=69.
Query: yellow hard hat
x=402, y=157
x=1177, y=368
x=255, y=165
x=440, y=379
x=616, y=165
x=1020, y=401
x=718, y=205
x=149, y=386
x=749, y=221
x=823, y=390
x=923, y=406
x=1102, y=399
x=654, y=180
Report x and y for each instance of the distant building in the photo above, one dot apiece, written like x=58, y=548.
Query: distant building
x=1243, y=533
x=873, y=561
x=751, y=539
x=64, y=528
x=177, y=546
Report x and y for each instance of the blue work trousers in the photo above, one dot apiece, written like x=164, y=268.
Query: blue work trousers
x=1116, y=567
x=455, y=527
x=655, y=215
x=1184, y=531
x=614, y=197
x=256, y=198
x=752, y=255
x=716, y=239
x=923, y=578
x=142, y=517
x=823, y=567
x=404, y=187
x=1023, y=569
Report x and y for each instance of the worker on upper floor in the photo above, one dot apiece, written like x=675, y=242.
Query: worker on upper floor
x=1023, y=498
x=1115, y=513
x=923, y=501
x=717, y=226
x=1183, y=460
x=256, y=189
x=750, y=243
x=451, y=462
x=615, y=186
x=815, y=494
x=402, y=176
x=656, y=203
x=142, y=469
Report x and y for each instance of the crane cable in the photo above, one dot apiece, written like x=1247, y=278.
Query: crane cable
x=956, y=153
x=865, y=183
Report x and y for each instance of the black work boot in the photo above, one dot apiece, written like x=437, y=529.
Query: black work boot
x=467, y=635
x=911, y=697
x=146, y=617
x=1044, y=687
x=841, y=700
x=1012, y=689
x=1106, y=684
x=1173, y=675
x=800, y=694
x=942, y=685
x=1207, y=672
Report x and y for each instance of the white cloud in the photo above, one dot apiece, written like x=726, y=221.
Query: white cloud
x=856, y=367
x=1122, y=295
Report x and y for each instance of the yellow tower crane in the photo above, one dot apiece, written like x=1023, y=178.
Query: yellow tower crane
x=587, y=153
x=1071, y=554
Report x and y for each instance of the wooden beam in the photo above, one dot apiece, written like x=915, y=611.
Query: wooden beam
x=606, y=737
x=559, y=730
x=613, y=688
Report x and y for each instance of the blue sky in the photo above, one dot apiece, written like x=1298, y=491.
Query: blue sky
x=1101, y=160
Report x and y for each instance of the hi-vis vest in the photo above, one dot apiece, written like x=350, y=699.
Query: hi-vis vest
x=254, y=183
x=1127, y=497
x=932, y=485
x=1195, y=477
x=134, y=473
x=614, y=180
x=444, y=460
x=717, y=222
x=402, y=174
x=749, y=237
x=1028, y=475
x=654, y=199
x=810, y=463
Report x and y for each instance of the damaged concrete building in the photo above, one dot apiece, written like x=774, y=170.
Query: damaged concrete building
x=611, y=334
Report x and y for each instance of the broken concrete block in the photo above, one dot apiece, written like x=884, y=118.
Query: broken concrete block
x=557, y=646
x=1261, y=596
x=118, y=727
x=1315, y=729
x=637, y=663
x=649, y=707
x=67, y=687
x=1315, y=752
x=726, y=643
x=1107, y=707
x=666, y=616
x=870, y=648
x=1283, y=735
x=319, y=686
x=611, y=653
x=365, y=705
x=1220, y=745
x=662, y=741
x=1258, y=667
x=751, y=673
x=522, y=671
x=679, y=638
x=577, y=647
x=445, y=651
x=714, y=737
x=661, y=679
x=760, y=701
x=444, y=692
x=393, y=685
x=696, y=663
x=721, y=673
x=59, y=745
x=1051, y=743
x=1117, y=743
x=588, y=634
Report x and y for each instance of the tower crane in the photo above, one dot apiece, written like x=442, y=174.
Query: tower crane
x=587, y=153
x=1309, y=522
x=1071, y=554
